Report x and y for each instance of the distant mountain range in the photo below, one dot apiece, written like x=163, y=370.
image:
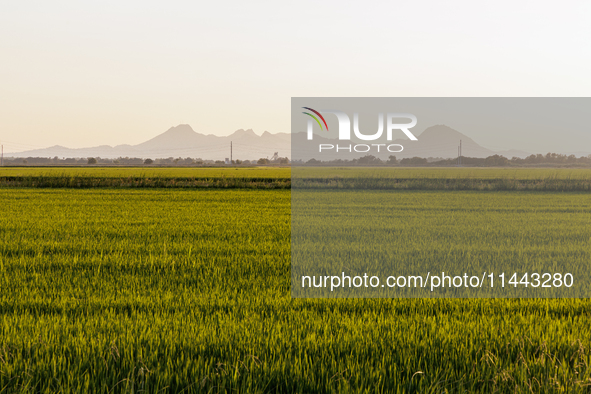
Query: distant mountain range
x=438, y=141
x=182, y=141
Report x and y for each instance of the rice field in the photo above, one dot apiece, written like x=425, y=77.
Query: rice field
x=404, y=234
x=286, y=172
x=188, y=290
x=384, y=178
x=146, y=172
x=445, y=173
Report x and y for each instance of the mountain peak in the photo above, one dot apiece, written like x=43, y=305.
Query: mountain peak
x=180, y=130
x=244, y=133
x=181, y=135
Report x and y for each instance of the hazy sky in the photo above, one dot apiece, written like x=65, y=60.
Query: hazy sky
x=86, y=73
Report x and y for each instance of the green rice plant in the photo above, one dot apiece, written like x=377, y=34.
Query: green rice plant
x=188, y=291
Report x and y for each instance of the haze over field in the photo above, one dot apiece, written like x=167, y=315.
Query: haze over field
x=84, y=74
x=183, y=141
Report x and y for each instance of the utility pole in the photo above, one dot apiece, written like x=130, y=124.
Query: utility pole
x=231, y=161
x=460, y=152
x=2, y=157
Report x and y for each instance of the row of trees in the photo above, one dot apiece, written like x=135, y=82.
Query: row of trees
x=551, y=159
x=137, y=161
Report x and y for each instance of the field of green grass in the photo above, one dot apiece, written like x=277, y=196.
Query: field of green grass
x=384, y=178
x=381, y=178
x=134, y=177
x=146, y=172
x=408, y=233
x=444, y=173
x=285, y=172
x=169, y=291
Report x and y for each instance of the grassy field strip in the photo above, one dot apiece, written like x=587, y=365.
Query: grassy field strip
x=406, y=233
x=572, y=185
x=146, y=172
x=381, y=178
x=285, y=172
x=143, y=182
x=169, y=291
x=441, y=173
x=490, y=184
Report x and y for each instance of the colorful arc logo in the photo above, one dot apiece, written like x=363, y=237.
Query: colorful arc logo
x=315, y=118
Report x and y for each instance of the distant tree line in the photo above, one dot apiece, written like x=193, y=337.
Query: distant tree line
x=550, y=159
x=137, y=161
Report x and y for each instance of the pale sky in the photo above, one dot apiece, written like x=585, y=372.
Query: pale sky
x=87, y=73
